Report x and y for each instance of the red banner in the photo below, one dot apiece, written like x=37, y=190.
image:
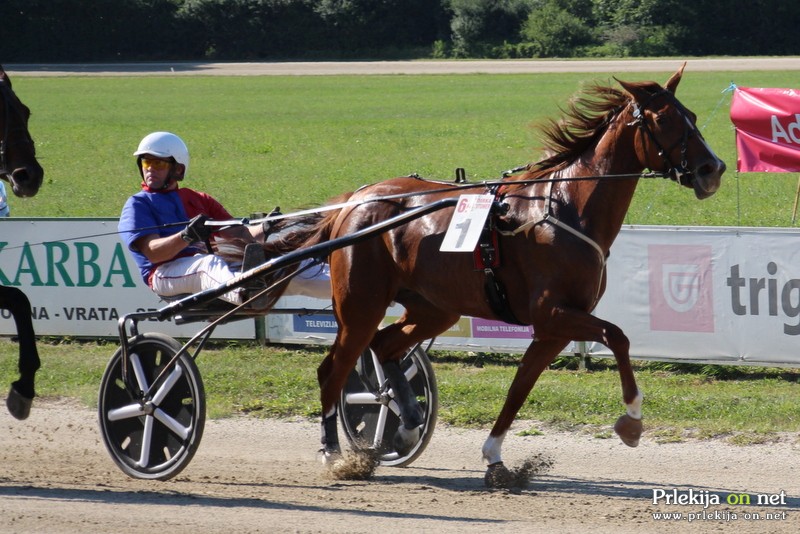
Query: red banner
x=767, y=125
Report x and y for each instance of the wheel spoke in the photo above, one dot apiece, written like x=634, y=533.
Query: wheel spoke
x=182, y=431
x=147, y=440
x=412, y=370
x=167, y=386
x=362, y=398
x=125, y=412
x=138, y=371
x=394, y=407
x=380, y=426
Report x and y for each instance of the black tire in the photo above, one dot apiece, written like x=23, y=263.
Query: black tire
x=153, y=438
x=364, y=403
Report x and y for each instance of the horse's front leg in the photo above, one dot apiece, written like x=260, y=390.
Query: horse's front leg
x=535, y=360
x=20, y=397
x=583, y=326
x=629, y=426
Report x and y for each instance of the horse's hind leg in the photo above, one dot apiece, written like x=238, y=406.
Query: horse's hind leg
x=20, y=397
x=420, y=321
x=411, y=413
x=333, y=371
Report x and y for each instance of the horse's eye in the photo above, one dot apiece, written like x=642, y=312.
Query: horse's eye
x=661, y=119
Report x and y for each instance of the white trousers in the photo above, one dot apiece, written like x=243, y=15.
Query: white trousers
x=186, y=276
x=193, y=274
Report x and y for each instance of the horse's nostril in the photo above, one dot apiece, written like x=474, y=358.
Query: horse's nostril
x=711, y=169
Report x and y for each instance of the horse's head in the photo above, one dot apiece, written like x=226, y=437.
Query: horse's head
x=18, y=163
x=669, y=141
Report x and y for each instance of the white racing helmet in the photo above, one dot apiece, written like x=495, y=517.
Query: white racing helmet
x=164, y=145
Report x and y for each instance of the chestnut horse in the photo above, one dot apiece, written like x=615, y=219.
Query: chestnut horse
x=555, y=225
x=18, y=166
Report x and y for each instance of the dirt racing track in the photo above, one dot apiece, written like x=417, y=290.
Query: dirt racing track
x=253, y=475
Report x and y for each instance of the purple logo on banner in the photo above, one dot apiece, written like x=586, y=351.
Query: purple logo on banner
x=320, y=324
x=498, y=329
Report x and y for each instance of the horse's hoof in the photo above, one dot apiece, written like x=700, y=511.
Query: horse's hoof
x=18, y=405
x=629, y=430
x=328, y=457
x=404, y=440
x=498, y=476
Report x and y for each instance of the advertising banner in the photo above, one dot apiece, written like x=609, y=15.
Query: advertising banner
x=723, y=295
x=80, y=280
x=468, y=334
x=702, y=294
x=767, y=125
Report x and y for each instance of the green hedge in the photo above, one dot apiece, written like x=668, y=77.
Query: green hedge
x=143, y=30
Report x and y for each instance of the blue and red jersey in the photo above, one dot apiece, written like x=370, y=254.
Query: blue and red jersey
x=160, y=213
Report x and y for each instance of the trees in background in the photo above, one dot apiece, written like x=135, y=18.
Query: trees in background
x=137, y=30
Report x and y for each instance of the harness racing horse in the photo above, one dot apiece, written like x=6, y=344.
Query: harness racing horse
x=18, y=166
x=556, y=222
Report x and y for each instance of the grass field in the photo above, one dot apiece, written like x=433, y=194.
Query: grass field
x=742, y=405
x=257, y=142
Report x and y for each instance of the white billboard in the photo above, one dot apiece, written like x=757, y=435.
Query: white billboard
x=704, y=294
x=722, y=295
x=81, y=280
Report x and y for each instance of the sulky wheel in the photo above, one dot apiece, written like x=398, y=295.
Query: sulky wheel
x=153, y=437
x=369, y=414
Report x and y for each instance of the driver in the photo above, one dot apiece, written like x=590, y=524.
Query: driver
x=174, y=258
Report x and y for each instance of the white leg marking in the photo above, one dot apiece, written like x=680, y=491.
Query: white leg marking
x=635, y=407
x=491, y=449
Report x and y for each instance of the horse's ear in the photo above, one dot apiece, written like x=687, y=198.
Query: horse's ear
x=672, y=83
x=635, y=90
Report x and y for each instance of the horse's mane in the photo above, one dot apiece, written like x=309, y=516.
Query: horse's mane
x=586, y=117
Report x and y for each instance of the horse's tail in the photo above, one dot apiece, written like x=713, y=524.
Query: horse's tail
x=286, y=235
x=294, y=233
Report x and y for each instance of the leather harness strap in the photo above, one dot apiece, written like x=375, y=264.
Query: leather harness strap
x=487, y=259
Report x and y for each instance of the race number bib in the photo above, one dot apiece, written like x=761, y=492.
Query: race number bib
x=467, y=222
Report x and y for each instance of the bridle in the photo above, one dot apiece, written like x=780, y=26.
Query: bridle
x=680, y=173
x=8, y=104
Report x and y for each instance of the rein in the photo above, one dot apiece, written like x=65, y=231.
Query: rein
x=486, y=184
x=489, y=184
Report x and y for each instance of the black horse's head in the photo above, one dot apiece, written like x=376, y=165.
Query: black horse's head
x=18, y=163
